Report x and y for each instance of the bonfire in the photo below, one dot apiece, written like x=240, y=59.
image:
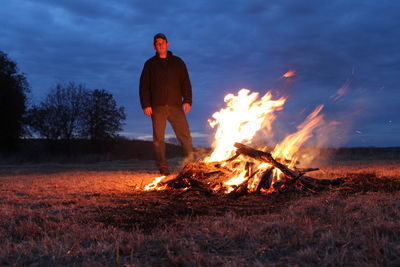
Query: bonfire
x=235, y=166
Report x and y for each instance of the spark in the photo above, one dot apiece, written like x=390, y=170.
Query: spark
x=290, y=73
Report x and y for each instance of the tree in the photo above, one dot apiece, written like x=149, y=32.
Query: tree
x=13, y=90
x=43, y=121
x=58, y=115
x=102, y=118
x=71, y=110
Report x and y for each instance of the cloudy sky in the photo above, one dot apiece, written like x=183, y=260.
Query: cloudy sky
x=345, y=53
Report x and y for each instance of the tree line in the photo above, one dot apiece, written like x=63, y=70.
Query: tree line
x=68, y=111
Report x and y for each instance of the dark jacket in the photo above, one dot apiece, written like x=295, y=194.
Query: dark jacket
x=165, y=82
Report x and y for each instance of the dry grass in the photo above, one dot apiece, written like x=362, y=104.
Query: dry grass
x=91, y=215
x=379, y=168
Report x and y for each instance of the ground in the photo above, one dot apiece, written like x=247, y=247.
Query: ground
x=93, y=214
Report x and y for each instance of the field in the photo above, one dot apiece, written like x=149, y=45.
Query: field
x=92, y=214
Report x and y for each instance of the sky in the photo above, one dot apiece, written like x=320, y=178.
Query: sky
x=345, y=54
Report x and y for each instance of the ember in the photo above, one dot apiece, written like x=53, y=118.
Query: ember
x=235, y=168
x=290, y=73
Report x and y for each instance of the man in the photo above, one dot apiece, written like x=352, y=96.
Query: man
x=166, y=94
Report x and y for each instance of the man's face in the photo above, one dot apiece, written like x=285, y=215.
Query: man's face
x=161, y=46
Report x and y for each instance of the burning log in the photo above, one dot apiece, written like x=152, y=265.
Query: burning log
x=265, y=180
x=266, y=157
x=199, y=175
x=293, y=175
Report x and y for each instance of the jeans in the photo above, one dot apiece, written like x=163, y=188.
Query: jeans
x=177, y=119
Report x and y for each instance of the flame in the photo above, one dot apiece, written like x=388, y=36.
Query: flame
x=236, y=180
x=257, y=177
x=153, y=185
x=288, y=148
x=290, y=73
x=240, y=120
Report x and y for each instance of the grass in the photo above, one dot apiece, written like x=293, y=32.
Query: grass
x=92, y=215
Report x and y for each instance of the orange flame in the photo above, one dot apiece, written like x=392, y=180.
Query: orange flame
x=240, y=120
x=291, y=144
x=154, y=184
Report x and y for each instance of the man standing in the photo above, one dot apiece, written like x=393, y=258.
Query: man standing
x=166, y=94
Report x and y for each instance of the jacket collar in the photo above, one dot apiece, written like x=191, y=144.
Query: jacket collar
x=169, y=54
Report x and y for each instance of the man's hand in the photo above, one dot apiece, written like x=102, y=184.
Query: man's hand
x=148, y=111
x=186, y=108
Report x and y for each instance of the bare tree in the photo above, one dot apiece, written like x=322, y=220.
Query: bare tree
x=42, y=120
x=58, y=115
x=102, y=119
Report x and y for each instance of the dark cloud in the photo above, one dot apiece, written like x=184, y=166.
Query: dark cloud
x=226, y=45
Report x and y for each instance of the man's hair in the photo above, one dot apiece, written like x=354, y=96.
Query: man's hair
x=160, y=35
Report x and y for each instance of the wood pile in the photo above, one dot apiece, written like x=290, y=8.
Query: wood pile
x=210, y=177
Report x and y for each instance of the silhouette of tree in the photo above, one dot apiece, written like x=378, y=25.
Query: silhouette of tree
x=13, y=90
x=58, y=115
x=102, y=118
x=42, y=120
x=71, y=110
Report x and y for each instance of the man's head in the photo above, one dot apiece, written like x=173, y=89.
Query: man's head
x=160, y=36
x=161, y=44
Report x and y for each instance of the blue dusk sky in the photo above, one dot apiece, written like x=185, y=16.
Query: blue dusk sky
x=345, y=53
